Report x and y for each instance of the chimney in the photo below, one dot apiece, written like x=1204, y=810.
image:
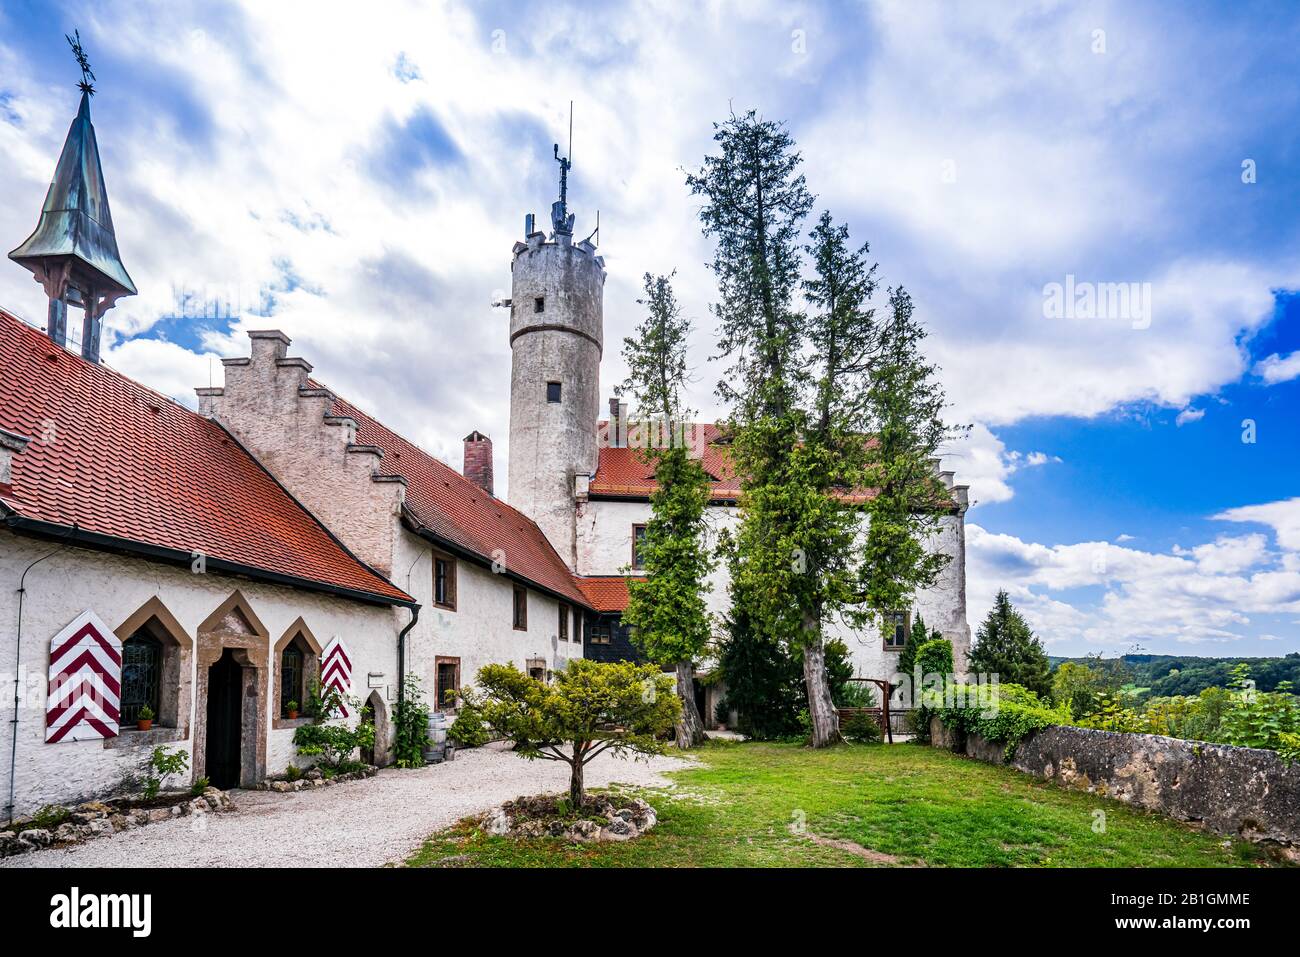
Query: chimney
x=11, y=443
x=478, y=460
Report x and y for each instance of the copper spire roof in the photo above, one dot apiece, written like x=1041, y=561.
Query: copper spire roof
x=75, y=221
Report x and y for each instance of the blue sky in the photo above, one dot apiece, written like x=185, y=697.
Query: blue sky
x=358, y=181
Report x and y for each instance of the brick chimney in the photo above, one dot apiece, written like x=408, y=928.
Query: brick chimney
x=478, y=460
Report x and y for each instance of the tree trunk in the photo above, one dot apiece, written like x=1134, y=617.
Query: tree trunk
x=821, y=709
x=576, y=793
x=690, y=728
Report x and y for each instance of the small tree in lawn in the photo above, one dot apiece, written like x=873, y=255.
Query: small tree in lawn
x=666, y=609
x=591, y=707
x=1005, y=646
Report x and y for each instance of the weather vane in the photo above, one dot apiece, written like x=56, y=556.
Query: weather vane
x=87, y=76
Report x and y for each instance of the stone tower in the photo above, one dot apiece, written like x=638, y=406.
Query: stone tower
x=556, y=339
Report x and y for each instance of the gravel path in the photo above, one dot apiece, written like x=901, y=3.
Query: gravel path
x=359, y=824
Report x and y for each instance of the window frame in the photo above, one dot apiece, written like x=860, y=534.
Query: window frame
x=559, y=392
x=906, y=614
x=636, y=558
x=294, y=645
x=519, y=608
x=143, y=637
x=539, y=305
x=439, y=662
x=449, y=581
x=564, y=622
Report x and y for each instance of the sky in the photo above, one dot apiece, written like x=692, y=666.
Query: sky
x=358, y=181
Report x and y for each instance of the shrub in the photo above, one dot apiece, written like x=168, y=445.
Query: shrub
x=1003, y=714
x=292, y=772
x=722, y=711
x=199, y=786
x=333, y=743
x=468, y=729
x=411, y=726
x=861, y=728
x=159, y=766
x=856, y=694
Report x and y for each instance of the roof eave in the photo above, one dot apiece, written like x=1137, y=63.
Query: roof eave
x=97, y=541
x=413, y=524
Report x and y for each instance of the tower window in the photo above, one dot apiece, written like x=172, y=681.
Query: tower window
x=552, y=392
x=539, y=304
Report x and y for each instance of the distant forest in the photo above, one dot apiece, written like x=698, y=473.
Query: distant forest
x=1160, y=676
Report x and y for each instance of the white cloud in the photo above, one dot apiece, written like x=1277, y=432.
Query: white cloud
x=1098, y=594
x=1189, y=415
x=1277, y=368
x=982, y=461
x=1283, y=517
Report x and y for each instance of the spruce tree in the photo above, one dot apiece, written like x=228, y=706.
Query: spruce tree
x=1006, y=646
x=755, y=201
x=666, y=609
x=906, y=406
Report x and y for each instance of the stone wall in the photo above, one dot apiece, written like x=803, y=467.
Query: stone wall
x=1242, y=792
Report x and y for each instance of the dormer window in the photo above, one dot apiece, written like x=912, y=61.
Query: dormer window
x=552, y=392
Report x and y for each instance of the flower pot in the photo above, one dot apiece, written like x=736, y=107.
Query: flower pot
x=293, y=715
x=143, y=724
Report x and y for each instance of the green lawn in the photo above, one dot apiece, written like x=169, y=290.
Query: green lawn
x=860, y=805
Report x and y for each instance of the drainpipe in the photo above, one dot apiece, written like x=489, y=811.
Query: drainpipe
x=18, y=657
x=401, y=656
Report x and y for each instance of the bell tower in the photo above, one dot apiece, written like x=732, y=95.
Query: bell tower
x=556, y=339
x=73, y=252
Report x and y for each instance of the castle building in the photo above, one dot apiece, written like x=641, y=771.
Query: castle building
x=193, y=579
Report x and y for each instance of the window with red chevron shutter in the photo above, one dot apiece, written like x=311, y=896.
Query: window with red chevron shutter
x=85, y=682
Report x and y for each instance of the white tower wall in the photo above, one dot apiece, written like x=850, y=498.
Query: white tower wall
x=556, y=336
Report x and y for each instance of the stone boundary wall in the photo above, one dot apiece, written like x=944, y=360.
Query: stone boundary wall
x=1241, y=792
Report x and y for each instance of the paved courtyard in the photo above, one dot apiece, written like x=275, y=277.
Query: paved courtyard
x=358, y=824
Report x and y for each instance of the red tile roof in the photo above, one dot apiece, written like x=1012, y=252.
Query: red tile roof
x=624, y=473
x=605, y=592
x=118, y=459
x=459, y=512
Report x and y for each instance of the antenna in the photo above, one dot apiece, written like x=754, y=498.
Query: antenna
x=561, y=218
x=85, y=86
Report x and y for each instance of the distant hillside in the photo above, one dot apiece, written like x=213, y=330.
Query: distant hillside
x=1168, y=675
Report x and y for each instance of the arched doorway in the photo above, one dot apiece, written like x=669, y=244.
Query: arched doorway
x=225, y=721
x=374, y=712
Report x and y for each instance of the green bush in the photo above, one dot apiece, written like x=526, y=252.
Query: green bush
x=1003, y=714
x=333, y=743
x=722, y=711
x=411, y=726
x=468, y=730
x=861, y=728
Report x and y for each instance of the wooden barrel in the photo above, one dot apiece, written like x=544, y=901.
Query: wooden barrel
x=435, y=750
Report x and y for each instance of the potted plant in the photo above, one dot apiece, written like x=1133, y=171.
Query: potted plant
x=144, y=721
x=291, y=709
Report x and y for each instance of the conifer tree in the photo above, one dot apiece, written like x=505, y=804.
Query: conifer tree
x=1006, y=646
x=666, y=609
x=905, y=405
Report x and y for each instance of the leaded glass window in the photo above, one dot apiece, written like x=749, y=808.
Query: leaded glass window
x=291, y=669
x=142, y=656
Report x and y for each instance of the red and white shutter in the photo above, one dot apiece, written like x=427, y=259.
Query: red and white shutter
x=85, y=682
x=336, y=670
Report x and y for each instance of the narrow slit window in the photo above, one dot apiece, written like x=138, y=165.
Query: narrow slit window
x=539, y=304
x=552, y=392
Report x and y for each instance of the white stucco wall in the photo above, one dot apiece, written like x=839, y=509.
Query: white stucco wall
x=604, y=548
x=481, y=629
x=66, y=584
